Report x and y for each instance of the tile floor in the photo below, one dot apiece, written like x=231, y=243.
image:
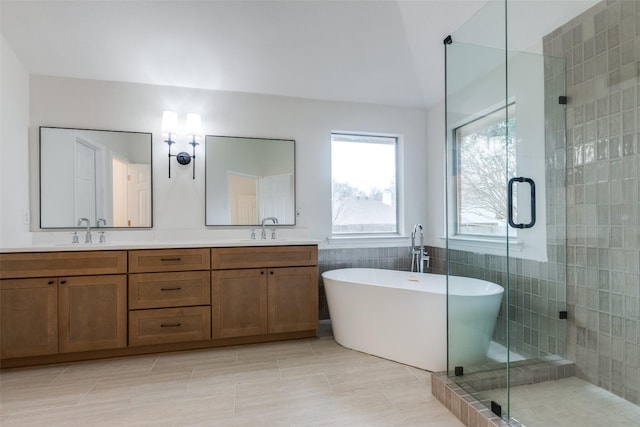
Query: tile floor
x=292, y=383
x=568, y=402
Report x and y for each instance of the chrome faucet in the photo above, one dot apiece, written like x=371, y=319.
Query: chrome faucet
x=419, y=256
x=103, y=238
x=274, y=220
x=87, y=238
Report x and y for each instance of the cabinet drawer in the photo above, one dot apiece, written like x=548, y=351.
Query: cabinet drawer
x=48, y=264
x=168, y=325
x=263, y=256
x=158, y=260
x=159, y=290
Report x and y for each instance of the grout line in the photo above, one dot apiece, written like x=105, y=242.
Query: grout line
x=59, y=375
x=155, y=362
x=235, y=397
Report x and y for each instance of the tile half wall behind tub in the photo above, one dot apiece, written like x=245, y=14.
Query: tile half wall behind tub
x=537, y=289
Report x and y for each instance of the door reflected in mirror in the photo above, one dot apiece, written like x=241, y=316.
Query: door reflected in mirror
x=248, y=179
x=95, y=174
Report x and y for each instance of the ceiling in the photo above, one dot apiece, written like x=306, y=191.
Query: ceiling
x=378, y=51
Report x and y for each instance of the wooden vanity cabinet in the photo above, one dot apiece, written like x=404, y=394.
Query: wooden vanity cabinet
x=92, y=313
x=169, y=296
x=258, y=290
x=28, y=317
x=239, y=303
x=292, y=299
x=59, y=302
x=77, y=305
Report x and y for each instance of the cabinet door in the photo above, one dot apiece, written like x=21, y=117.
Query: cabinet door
x=293, y=299
x=28, y=317
x=239, y=303
x=92, y=312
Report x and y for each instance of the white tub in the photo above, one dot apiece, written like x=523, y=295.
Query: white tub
x=402, y=316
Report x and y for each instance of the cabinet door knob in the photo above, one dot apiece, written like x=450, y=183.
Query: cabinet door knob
x=62, y=282
x=271, y=272
x=51, y=282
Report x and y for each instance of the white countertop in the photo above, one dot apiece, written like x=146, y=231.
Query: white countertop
x=56, y=247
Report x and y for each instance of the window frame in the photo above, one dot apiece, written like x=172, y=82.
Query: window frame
x=380, y=235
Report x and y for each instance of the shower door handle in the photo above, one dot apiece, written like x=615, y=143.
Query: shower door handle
x=532, y=184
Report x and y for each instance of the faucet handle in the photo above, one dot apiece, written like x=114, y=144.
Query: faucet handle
x=103, y=238
x=273, y=233
x=74, y=238
x=253, y=234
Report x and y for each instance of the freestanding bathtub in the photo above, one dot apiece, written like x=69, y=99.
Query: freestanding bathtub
x=402, y=316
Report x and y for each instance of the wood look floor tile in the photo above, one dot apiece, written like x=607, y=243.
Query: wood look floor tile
x=272, y=351
x=209, y=358
x=30, y=377
x=49, y=396
x=293, y=383
x=108, y=367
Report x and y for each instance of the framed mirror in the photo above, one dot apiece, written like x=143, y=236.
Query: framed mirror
x=104, y=176
x=248, y=179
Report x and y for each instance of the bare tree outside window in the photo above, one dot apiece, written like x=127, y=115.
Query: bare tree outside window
x=486, y=160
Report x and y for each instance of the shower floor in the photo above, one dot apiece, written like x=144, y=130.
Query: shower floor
x=568, y=402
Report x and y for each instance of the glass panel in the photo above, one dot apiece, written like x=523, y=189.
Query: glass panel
x=503, y=115
x=477, y=119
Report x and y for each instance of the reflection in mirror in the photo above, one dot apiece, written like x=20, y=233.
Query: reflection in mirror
x=248, y=179
x=101, y=175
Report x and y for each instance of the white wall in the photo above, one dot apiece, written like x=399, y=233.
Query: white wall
x=179, y=202
x=14, y=148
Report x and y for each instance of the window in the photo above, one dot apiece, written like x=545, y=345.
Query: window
x=485, y=160
x=363, y=184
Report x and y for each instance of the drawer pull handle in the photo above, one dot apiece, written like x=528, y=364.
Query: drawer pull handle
x=171, y=289
x=169, y=325
x=170, y=259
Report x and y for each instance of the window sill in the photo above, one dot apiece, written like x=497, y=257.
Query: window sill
x=350, y=240
x=488, y=245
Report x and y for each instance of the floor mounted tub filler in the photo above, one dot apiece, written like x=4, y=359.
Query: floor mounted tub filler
x=402, y=316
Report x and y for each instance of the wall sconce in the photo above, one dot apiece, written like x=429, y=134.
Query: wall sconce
x=194, y=129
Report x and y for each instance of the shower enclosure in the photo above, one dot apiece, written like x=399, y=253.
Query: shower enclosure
x=542, y=193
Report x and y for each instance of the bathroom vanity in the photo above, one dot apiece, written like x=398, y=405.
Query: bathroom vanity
x=68, y=305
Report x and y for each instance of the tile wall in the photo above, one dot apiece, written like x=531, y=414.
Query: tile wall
x=387, y=258
x=602, y=52
x=537, y=295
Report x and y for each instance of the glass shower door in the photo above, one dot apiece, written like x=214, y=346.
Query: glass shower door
x=479, y=125
x=506, y=208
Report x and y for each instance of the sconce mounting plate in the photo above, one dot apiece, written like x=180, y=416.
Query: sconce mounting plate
x=183, y=158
